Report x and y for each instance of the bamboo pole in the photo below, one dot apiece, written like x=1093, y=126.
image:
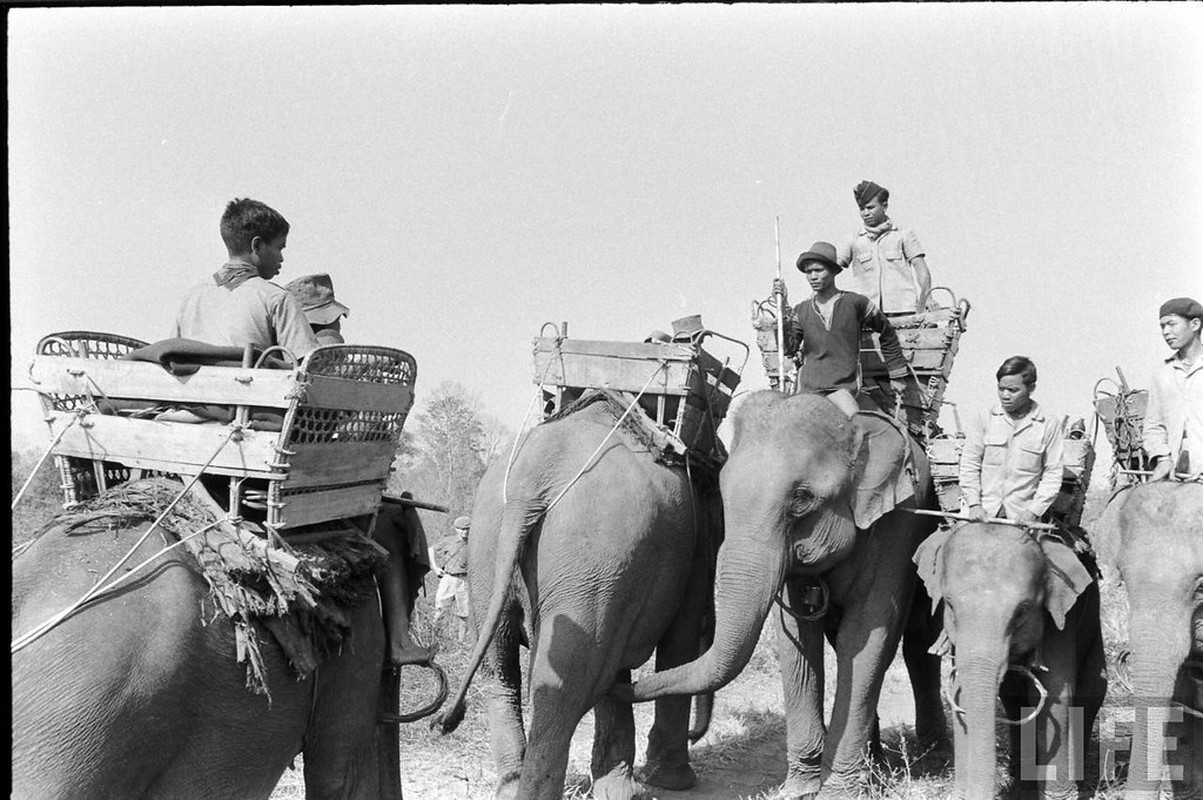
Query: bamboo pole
x=1040, y=526
x=780, y=310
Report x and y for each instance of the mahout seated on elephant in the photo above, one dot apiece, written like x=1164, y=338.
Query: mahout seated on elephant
x=1153, y=534
x=1021, y=613
x=811, y=499
x=595, y=552
x=140, y=693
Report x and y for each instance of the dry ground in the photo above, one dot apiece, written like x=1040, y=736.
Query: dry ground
x=742, y=757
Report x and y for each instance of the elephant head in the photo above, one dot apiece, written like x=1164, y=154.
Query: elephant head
x=1158, y=542
x=1001, y=587
x=790, y=504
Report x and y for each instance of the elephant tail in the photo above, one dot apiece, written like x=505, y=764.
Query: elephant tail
x=518, y=519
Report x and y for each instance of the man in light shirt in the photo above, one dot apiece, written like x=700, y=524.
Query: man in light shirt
x=239, y=305
x=1173, y=427
x=884, y=262
x=1011, y=465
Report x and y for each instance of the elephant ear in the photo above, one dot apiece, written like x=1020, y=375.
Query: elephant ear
x=882, y=479
x=928, y=559
x=1064, y=579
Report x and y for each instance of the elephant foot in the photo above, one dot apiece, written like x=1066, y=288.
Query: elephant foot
x=798, y=788
x=619, y=784
x=676, y=778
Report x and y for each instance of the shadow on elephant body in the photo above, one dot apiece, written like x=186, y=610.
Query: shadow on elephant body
x=138, y=694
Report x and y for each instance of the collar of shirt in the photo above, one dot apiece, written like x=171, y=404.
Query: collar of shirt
x=1034, y=415
x=1175, y=362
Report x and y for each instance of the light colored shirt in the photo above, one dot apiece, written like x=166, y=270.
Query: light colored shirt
x=879, y=267
x=1174, y=417
x=1012, y=465
x=255, y=312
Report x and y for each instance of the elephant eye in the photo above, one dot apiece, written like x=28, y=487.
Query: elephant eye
x=802, y=502
x=1199, y=590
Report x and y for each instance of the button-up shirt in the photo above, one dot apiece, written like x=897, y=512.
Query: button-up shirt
x=1174, y=417
x=253, y=311
x=879, y=267
x=1012, y=465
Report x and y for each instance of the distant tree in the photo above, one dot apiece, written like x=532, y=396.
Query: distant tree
x=41, y=500
x=446, y=453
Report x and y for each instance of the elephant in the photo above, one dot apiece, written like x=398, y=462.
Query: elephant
x=1016, y=603
x=138, y=693
x=1158, y=550
x=604, y=551
x=815, y=504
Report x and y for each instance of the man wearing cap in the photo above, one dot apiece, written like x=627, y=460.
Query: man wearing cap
x=315, y=293
x=886, y=262
x=1173, y=427
x=825, y=332
x=453, y=578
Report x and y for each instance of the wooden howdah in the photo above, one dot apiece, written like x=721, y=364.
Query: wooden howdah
x=324, y=453
x=679, y=385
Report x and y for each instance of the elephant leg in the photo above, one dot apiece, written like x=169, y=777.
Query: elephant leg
x=503, y=701
x=922, y=629
x=800, y=654
x=614, y=748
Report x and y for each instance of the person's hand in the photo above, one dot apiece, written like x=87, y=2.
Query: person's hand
x=779, y=288
x=976, y=513
x=1026, y=518
x=1162, y=470
x=898, y=385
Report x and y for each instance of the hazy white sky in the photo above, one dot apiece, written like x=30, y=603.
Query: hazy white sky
x=466, y=174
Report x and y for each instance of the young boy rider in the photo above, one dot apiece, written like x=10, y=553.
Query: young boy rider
x=1173, y=427
x=825, y=333
x=239, y=305
x=887, y=263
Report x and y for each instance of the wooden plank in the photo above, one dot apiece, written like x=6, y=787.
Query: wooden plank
x=167, y=446
x=338, y=462
x=326, y=392
x=594, y=371
x=310, y=507
x=143, y=380
x=622, y=350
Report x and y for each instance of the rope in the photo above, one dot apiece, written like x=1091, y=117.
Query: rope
x=505, y=483
x=25, y=639
x=617, y=425
x=42, y=461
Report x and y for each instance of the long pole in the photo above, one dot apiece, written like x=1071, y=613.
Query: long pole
x=780, y=310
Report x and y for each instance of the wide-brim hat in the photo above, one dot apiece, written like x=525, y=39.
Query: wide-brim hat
x=315, y=293
x=823, y=252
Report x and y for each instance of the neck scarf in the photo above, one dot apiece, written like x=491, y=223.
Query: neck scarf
x=874, y=231
x=233, y=274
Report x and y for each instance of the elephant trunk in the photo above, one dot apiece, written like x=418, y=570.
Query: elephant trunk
x=750, y=571
x=1157, y=655
x=978, y=679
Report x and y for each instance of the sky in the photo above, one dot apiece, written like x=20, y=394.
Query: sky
x=468, y=173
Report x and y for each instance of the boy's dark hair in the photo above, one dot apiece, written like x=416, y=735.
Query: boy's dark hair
x=244, y=219
x=1018, y=365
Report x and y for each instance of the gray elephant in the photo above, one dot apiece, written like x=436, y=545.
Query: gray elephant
x=1019, y=607
x=812, y=499
x=1158, y=530
x=607, y=568
x=138, y=694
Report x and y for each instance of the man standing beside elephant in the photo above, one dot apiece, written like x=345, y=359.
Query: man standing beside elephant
x=453, y=584
x=1012, y=461
x=1173, y=427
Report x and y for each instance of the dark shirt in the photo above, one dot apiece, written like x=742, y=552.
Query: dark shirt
x=830, y=355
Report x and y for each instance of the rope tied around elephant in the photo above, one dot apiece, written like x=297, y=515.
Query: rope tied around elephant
x=303, y=595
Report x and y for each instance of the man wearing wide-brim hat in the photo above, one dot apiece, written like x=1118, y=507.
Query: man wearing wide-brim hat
x=315, y=293
x=884, y=262
x=825, y=333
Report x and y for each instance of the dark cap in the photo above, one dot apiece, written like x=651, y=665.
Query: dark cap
x=1183, y=307
x=823, y=252
x=315, y=293
x=866, y=191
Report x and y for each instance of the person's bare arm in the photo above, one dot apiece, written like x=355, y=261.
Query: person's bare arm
x=923, y=278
